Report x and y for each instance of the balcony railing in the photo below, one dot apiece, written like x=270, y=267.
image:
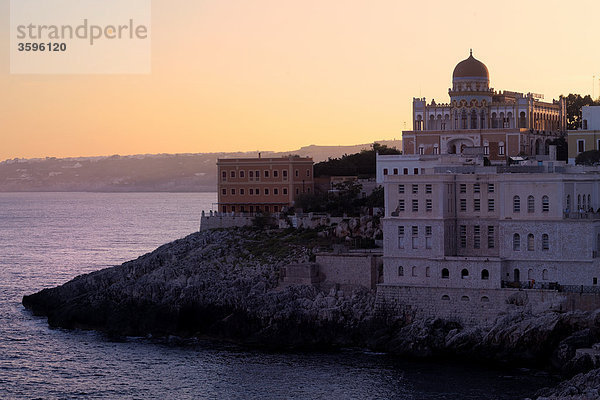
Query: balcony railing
x=581, y=215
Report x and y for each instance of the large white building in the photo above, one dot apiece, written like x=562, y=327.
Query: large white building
x=460, y=224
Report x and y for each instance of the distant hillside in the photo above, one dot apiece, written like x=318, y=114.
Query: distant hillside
x=139, y=173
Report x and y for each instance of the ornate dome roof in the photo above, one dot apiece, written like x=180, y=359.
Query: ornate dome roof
x=471, y=67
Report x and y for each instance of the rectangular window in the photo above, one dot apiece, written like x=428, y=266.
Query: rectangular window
x=401, y=205
x=428, y=205
x=275, y=173
x=491, y=188
x=463, y=236
x=501, y=150
x=284, y=172
x=401, y=237
x=242, y=192
x=266, y=174
x=251, y=174
x=395, y=171
x=415, y=230
x=275, y=191
x=415, y=243
x=428, y=242
x=257, y=174
x=308, y=172
x=251, y=191
x=297, y=173
x=415, y=205
x=405, y=171
x=257, y=191
x=266, y=191
x=416, y=171
x=224, y=175
x=476, y=237
x=463, y=204
x=580, y=145
x=428, y=189
x=224, y=192
x=477, y=205
x=491, y=241
x=285, y=191
x=232, y=174
x=428, y=231
x=486, y=150
x=233, y=191
x=476, y=188
x=242, y=174
x=415, y=189
x=463, y=188
x=401, y=189
x=491, y=205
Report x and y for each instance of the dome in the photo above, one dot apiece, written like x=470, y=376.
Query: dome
x=471, y=68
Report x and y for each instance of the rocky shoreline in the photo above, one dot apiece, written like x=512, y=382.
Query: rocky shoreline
x=224, y=284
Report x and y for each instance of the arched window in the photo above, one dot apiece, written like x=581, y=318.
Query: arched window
x=516, y=204
x=431, y=122
x=465, y=298
x=516, y=242
x=568, y=202
x=446, y=297
x=445, y=273
x=545, y=242
x=463, y=119
x=530, y=242
x=545, y=204
x=494, y=120
x=414, y=271
x=579, y=202
x=545, y=275
x=583, y=205
x=485, y=299
x=530, y=204
x=464, y=273
x=473, y=119
x=401, y=271
x=485, y=274
x=530, y=274
x=427, y=272
x=482, y=120
x=522, y=120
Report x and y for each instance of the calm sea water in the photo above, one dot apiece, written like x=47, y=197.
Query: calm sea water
x=48, y=238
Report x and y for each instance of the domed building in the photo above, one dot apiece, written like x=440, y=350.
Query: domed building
x=498, y=124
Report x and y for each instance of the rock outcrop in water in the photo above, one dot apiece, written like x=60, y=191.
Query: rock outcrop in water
x=224, y=284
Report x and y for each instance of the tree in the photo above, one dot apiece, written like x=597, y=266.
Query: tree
x=591, y=157
x=574, y=104
x=359, y=164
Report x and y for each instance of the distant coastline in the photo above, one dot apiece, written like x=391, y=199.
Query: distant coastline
x=170, y=173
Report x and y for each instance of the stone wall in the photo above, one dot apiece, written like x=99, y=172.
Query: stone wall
x=474, y=306
x=224, y=220
x=349, y=270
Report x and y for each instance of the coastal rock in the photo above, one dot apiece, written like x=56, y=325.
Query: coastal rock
x=224, y=284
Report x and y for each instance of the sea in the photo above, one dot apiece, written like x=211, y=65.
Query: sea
x=47, y=239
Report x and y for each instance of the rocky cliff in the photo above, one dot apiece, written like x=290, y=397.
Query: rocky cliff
x=224, y=284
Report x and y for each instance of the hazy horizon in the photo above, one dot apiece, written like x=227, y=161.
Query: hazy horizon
x=245, y=76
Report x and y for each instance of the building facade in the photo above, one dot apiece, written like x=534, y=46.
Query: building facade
x=250, y=185
x=470, y=226
x=501, y=123
x=588, y=136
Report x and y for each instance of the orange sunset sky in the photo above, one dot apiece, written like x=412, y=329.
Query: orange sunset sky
x=233, y=75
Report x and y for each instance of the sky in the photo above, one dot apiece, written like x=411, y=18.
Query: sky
x=246, y=75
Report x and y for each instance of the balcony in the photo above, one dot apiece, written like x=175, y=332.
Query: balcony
x=589, y=215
